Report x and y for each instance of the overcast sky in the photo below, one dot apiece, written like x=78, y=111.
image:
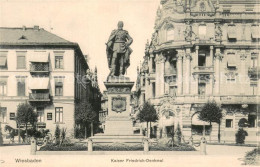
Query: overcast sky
x=87, y=22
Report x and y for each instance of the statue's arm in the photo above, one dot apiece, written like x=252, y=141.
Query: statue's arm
x=129, y=39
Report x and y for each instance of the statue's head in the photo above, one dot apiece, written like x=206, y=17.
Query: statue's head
x=120, y=25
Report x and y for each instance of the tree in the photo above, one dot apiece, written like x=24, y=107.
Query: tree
x=85, y=115
x=211, y=112
x=178, y=133
x=25, y=115
x=147, y=114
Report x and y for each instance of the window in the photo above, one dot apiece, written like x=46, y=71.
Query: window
x=253, y=61
x=173, y=90
x=232, y=35
x=21, y=64
x=255, y=33
x=153, y=86
x=170, y=34
x=202, y=60
x=229, y=123
x=20, y=88
x=231, y=61
x=202, y=89
x=58, y=88
x=202, y=31
x=3, y=60
x=12, y=116
x=3, y=114
x=143, y=81
x=153, y=64
x=231, y=78
x=58, y=114
x=252, y=120
x=3, y=86
x=40, y=114
x=59, y=60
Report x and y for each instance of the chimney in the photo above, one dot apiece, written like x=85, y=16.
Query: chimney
x=36, y=28
x=24, y=28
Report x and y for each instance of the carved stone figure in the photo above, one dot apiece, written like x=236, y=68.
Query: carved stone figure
x=218, y=32
x=188, y=32
x=118, y=51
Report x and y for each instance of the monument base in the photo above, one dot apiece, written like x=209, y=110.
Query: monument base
x=102, y=138
x=119, y=124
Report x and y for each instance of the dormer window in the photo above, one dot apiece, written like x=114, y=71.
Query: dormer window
x=22, y=37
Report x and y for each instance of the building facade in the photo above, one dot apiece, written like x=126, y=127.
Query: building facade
x=44, y=70
x=203, y=50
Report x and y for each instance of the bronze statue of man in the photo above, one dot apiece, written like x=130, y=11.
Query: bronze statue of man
x=118, y=51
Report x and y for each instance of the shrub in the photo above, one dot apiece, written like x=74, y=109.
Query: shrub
x=178, y=132
x=68, y=147
x=241, y=136
x=1, y=136
x=252, y=157
x=57, y=132
x=115, y=147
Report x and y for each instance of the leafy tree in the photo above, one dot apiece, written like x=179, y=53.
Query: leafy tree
x=1, y=136
x=147, y=114
x=211, y=112
x=85, y=115
x=25, y=115
x=57, y=132
x=178, y=133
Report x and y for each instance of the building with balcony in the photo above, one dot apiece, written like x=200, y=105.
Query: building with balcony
x=46, y=71
x=203, y=50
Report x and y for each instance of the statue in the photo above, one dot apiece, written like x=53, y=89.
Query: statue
x=118, y=51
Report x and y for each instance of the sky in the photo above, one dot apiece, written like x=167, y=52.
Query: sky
x=89, y=23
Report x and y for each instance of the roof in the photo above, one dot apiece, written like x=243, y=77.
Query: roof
x=30, y=36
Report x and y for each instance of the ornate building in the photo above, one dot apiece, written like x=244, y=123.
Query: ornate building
x=203, y=50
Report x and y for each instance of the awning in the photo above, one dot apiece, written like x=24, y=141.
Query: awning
x=196, y=121
x=42, y=57
x=39, y=83
x=232, y=32
x=231, y=60
x=255, y=32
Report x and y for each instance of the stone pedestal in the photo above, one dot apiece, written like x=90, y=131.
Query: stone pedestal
x=118, y=124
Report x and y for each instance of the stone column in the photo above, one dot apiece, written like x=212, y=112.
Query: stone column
x=242, y=77
x=218, y=58
x=196, y=57
x=187, y=72
x=179, y=71
x=160, y=60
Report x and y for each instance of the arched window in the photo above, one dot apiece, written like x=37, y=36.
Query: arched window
x=170, y=34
